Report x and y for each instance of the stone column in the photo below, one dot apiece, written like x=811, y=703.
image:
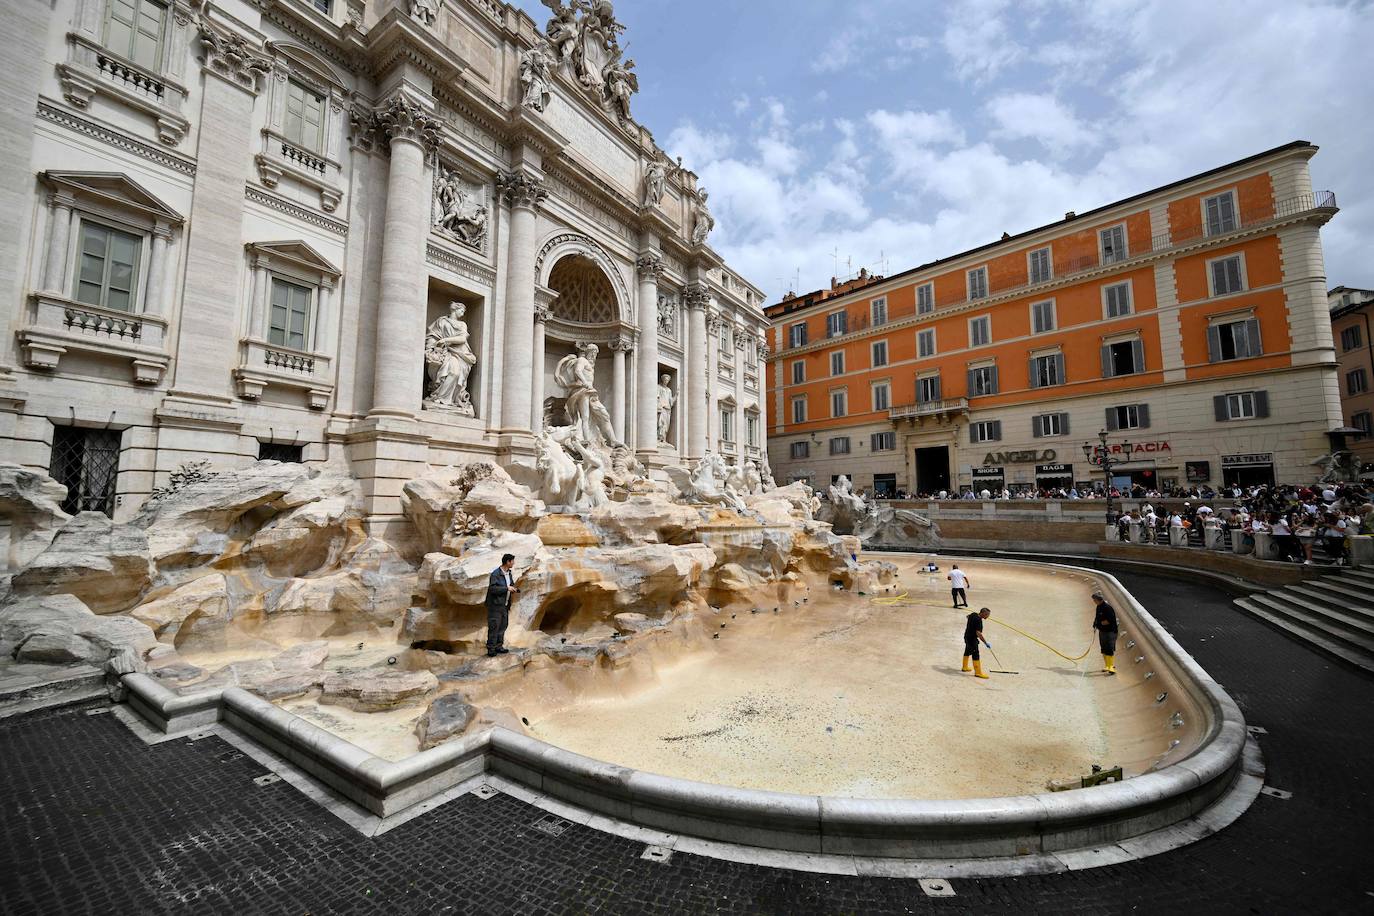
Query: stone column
x=620, y=345
x=525, y=193
x=714, y=321
x=397, y=385
x=650, y=265
x=260, y=305
x=157, y=269
x=694, y=298
x=59, y=240
x=763, y=352
x=543, y=311
x=324, y=318
x=741, y=415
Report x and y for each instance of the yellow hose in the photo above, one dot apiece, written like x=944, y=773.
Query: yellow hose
x=895, y=600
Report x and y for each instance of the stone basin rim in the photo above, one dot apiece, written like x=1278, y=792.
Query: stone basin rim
x=993, y=827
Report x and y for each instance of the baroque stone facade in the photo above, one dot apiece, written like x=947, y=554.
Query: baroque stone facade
x=267, y=230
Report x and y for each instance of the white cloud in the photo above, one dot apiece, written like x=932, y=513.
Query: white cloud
x=906, y=129
x=978, y=40
x=1043, y=118
x=839, y=52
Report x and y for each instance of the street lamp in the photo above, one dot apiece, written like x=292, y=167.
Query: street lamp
x=1103, y=459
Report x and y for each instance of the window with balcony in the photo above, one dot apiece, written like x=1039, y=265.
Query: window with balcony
x=1047, y=370
x=1123, y=357
x=1220, y=213
x=1356, y=382
x=798, y=371
x=978, y=283
x=796, y=335
x=925, y=298
x=1233, y=339
x=303, y=123
x=980, y=331
x=1040, y=266
x=1351, y=338
x=839, y=403
x=799, y=410
x=839, y=445
x=882, y=395
x=837, y=362
x=985, y=431
x=800, y=450
x=1227, y=275
x=925, y=342
x=1116, y=300
x=878, y=311
x=1243, y=405
x=1364, y=422
x=134, y=29
x=107, y=275
x=1128, y=416
x=879, y=351
x=982, y=381
x=1113, y=244
x=289, y=325
x=883, y=442
x=1042, y=316
x=1049, y=424
x=928, y=389
x=836, y=324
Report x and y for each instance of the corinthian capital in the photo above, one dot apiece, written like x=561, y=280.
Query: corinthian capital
x=521, y=190
x=402, y=118
x=650, y=266
x=696, y=296
x=228, y=55
x=622, y=343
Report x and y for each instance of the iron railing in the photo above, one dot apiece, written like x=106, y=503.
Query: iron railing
x=928, y=408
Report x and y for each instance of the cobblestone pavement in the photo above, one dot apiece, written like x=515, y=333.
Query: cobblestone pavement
x=94, y=821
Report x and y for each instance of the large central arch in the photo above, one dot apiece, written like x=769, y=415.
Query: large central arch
x=560, y=245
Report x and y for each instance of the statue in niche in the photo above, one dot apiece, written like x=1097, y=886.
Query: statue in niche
x=619, y=82
x=535, y=79
x=587, y=415
x=667, y=316
x=655, y=183
x=424, y=10
x=456, y=209
x=666, y=400
x=449, y=360
x=702, y=222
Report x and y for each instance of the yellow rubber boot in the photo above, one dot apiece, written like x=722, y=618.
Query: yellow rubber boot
x=978, y=669
x=1109, y=661
x=967, y=666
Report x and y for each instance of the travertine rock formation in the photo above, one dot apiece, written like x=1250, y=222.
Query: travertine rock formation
x=31, y=502
x=60, y=630
x=377, y=689
x=103, y=564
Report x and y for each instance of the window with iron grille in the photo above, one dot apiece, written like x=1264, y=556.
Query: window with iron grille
x=1040, y=269
x=839, y=445
x=925, y=298
x=801, y=450
x=1221, y=213
x=86, y=462
x=883, y=442
x=281, y=451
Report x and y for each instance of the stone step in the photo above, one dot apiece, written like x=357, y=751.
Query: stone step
x=1302, y=594
x=1349, y=591
x=26, y=688
x=1322, y=642
x=1313, y=621
x=1354, y=621
x=1359, y=575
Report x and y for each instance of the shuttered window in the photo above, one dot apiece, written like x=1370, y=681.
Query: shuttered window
x=978, y=283
x=1047, y=370
x=982, y=381
x=1042, y=316
x=1227, y=276
x=836, y=324
x=839, y=445
x=980, y=331
x=883, y=442
x=1351, y=338
x=879, y=311
x=882, y=396
x=1128, y=416
x=1243, y=405
x=985, y=431
x=798, y=372
x=801, y=450
x=1050, y=424
x=925, y=298
x=1113, y=244
x=837, y=362
x=839, y=403
x=1221, y=213
x=1125, y=357
x=1040, y=269
x=1117, y=299
x=1233, y=340
x=1356, y=382
x=799, y=410
x=796, y=335
x=925, y=342
x=879, y=353
x=928, y=389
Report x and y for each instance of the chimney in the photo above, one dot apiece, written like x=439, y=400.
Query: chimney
x=1070, y=215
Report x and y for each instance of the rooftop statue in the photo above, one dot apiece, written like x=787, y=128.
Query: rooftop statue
x=535, y=79
x=703, y=222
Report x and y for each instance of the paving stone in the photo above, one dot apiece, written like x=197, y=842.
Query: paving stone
x=97, y=822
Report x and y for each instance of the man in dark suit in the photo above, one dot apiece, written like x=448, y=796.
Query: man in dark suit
x=500, y=591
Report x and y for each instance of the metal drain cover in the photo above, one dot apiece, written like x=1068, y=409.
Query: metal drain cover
x=484, y=792
x=553, y=826
x=99, y=710
x=198, y=735
x=266, y=779
x=1257, y=729
x=656, y=853
x=1280, y=794
x=936, y=887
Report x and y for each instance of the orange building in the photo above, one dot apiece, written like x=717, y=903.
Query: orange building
x=1352, y=329
x=1190, y=322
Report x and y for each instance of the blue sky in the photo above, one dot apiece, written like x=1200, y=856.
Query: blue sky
x=908, y=131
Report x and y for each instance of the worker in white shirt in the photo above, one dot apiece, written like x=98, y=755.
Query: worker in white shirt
x=958, y=582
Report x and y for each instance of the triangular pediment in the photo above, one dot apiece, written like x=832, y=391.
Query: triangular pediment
x=115, y=188
x=296, y=251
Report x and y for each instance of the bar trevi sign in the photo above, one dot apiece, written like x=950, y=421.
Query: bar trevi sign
x=1029, y=456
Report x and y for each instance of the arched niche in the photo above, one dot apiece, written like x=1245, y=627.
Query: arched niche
x=565, y=244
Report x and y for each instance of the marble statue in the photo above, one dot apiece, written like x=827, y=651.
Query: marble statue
x=766, y=477
x=585, y=35
x=457, y=209
x=562, y=31
x=424, y=10
x=535, y=79
x=620, y=82
x=449, y=359
x=709, y=483
x=845, y=500
x=666, y=400
x=667, y=316
x=562, y=478
x=1339, y=467
x=753, y=480
x=703, y=222
x=586, y=413
x=655, y=183
x=874, y=525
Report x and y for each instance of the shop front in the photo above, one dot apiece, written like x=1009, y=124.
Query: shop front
x=1253, y=470
x=988, y=478
x=1053, y=476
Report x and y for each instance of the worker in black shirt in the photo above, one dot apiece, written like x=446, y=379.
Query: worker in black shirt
x=1104, y=622
x=973, y=632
